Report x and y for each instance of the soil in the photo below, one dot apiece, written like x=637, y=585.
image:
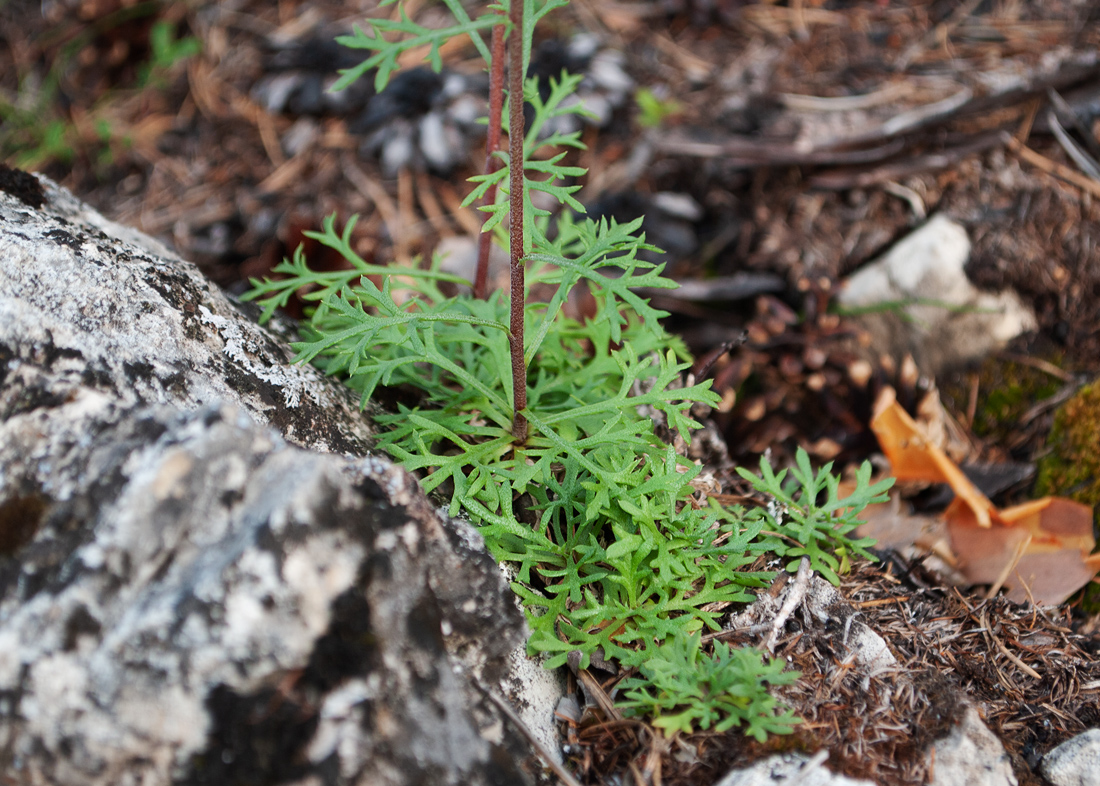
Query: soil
x=795, y=142
x=948, y=646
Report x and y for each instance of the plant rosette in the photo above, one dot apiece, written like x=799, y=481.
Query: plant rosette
x=539, y=426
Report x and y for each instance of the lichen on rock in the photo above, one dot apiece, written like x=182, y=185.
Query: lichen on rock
x=88, y=306
x=189, y=595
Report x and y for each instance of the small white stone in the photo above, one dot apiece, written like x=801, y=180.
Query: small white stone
x=928, y=306
x=397, y=151
x=679, y=205
x=1075, y=762
x=606, y=70
x=970, y=756
x=790, y=768
x=434, y=142
x=300, y=136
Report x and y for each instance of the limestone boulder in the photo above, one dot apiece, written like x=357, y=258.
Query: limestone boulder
x=205, y=576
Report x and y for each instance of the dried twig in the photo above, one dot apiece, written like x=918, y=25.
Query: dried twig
x=1038, y=363
x=1052, y=167
x=1047, y=404
x=937, y=34
x=732, y=633
x=1017, y=555
x=1019, y=663
x=742, y=151
x=592, y=685
x=795, y=595
x=1068, y=116
x=547, y=758
x=1083, y=160
x=902, y=168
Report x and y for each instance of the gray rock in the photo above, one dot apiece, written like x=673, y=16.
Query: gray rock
x=928, y=307
x=870, y=650
x=185, y=596
x=92, y=309
x=1075, y=762
x=970, y=756
x=792, y=769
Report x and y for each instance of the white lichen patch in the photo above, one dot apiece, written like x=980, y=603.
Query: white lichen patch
x=116, y=313
x=173, y=714
x=168, y=481
x=11, y=665
x=340, y=728
x=252, y=584
x=410, y=536
x=470, y=537
x=317, y=572
x=244, y=349
x=57, y=697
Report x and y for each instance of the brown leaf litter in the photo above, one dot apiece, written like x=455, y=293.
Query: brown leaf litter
x=1040, y=550
x=1032, y=673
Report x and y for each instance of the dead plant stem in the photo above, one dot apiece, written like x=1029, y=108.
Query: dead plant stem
x=796, y=594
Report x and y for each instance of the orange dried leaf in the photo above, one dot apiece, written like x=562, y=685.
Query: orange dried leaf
x=1040, y=550
x=1055, y=523
x=1041, y=553
x=913, y=457
x=1054, y=561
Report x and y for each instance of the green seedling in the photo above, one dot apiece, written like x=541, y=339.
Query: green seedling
x=654, y=110
x=165, y=51
x=551, y=432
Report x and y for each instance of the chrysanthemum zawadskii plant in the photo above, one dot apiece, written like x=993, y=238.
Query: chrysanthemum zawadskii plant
x=541, y=428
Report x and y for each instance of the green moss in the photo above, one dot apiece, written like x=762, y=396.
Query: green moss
x=1072, y=468
x=1006, y=391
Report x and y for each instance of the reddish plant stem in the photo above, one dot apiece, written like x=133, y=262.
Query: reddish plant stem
x=515, y=218
x=492, y=163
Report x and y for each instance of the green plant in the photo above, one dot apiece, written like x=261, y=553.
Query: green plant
x=683, y=689
x=30, y=135
x=654, y=110
x=165, y=51
x=553, y=432
x=29, y=139
x=819, y=528
x=28, y=143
